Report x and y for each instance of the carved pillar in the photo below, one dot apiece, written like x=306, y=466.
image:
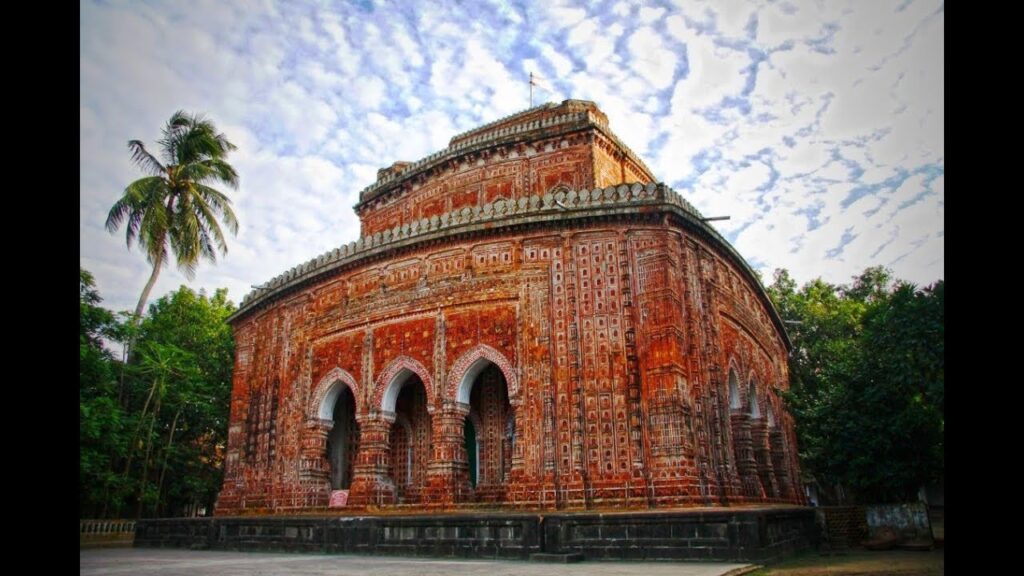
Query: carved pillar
x=759, y=438
x=371, y=485
x=448, y=471
x=314, y=468
x=518, y=459
x=727, y=473
x=440, y=364
x=512, y=446
x=533, y=450
x=576, y=487
x=548, y=490
x=746, y=465
x=640, y=480
x=665, y=430
x=661, y=342
x=778, y=454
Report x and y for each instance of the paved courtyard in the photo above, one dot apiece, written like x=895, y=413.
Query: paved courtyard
x=164, y=562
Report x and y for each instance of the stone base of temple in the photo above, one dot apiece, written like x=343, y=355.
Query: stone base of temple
x=751, y=534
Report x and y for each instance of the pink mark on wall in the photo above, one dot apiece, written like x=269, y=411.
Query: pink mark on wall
x=339, y=498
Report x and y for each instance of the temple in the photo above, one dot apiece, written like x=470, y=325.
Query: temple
x=528, y=321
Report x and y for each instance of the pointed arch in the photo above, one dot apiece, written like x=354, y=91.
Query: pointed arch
x=773, y=407
x=734, y=388
x=753, y=405
x=471, y=364
x=390, y=382
x=321, y=402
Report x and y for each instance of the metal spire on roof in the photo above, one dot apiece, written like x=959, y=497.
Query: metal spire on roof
x=537, y=81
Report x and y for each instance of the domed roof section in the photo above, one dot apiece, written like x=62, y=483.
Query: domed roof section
x=543, y=121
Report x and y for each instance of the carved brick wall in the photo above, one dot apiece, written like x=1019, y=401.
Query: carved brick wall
x=541, y=150
x=588, y=334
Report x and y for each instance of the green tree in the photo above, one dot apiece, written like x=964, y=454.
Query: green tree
x=175, y=207
x=867, y=381
x=101, y=432
x=195, y=359
x=159, y=451
x=872, y=285
x=823, y=326
x=94, y=321
x=902, y=378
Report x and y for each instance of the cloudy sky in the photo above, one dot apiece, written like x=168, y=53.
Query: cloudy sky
x=817, y=126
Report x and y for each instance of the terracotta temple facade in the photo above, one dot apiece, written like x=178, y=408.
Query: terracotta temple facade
x=528, y=321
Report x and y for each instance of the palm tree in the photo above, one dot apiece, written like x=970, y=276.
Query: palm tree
x=174, y=207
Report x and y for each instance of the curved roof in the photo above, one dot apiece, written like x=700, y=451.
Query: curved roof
x=614, y=201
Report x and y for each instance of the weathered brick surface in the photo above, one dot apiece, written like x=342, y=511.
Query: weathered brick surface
x=607, y=347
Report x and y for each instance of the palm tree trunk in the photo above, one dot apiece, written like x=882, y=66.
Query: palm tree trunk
x=167, y=453
x=145, y=291
x=137, y=320
x=143, y=480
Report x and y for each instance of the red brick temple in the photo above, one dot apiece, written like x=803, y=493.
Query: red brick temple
x=528, y=321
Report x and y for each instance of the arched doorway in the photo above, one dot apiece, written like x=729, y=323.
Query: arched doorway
x=734, y=391
x=472, y=451
x=492, y=426
x=410, y=438
x=742, y=444
x=343, y=439
x=759, y=438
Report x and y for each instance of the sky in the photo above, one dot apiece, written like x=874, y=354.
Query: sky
x=818, y=127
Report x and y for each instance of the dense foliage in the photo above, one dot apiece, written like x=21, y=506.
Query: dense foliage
x=867, y=383
x=152, y=432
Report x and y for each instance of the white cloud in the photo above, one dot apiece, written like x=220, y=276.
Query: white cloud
x=650, y=14
x=587, y=35
x=566, y=17
x=561, y=64
x=318, y=99
x=651, y=59
x=714, y=73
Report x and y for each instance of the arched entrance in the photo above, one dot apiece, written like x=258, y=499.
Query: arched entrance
x=410, y=436
x=343, y=439
x=489, y=429
x=734, y=391
x=760, y=441
x=331, y=435
x=742, y=443
x=472, y=444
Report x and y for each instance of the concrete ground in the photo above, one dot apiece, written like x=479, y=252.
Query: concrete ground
x=169, y=562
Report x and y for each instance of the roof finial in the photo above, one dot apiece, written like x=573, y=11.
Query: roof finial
x=537, y=81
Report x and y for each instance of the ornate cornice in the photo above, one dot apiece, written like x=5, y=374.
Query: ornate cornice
x=550, y=209
x=578, y=116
